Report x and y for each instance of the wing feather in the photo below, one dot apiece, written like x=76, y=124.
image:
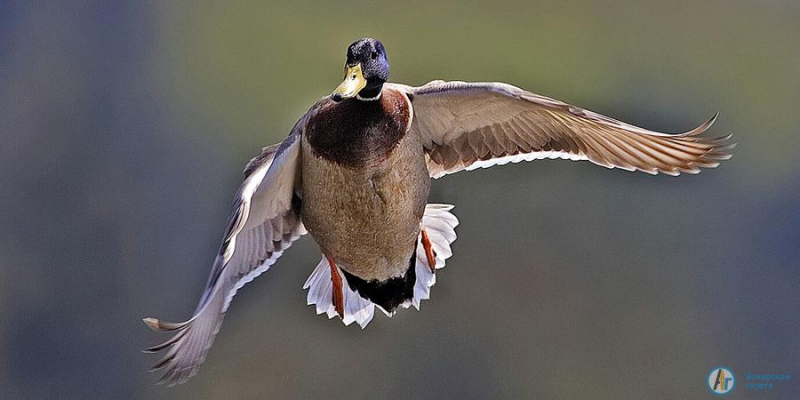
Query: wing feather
x=477, y=125
x=264, y=222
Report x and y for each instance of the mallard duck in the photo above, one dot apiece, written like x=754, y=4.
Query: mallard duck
x=355, y=172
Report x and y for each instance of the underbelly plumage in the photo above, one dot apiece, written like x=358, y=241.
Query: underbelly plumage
x=367, y=218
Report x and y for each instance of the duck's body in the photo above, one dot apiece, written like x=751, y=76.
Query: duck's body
x=356, y=171
x=369, y=184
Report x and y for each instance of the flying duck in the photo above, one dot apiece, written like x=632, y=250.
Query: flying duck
x=355, y=172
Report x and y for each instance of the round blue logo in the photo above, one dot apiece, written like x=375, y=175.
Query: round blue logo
x=721, y=380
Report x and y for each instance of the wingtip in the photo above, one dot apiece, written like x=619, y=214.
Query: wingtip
x=152, y=323
x=703, y=127
x=161, y=363
x=711, y=120
x=163, y=326
x=161, y=346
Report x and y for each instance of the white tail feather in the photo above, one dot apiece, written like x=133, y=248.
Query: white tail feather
x=440, y=225
x=356, y=308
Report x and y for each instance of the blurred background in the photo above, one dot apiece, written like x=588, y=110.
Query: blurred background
x=124, y=127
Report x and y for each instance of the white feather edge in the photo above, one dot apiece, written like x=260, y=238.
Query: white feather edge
x=300, y=230
x=517, y=158
x=356, y=308
x=248, y=190
x=440, y=225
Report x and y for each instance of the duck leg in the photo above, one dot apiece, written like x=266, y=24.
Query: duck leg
x=338, y=290
x=429, y=253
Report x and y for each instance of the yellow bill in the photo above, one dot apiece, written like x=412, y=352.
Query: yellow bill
x=353, y=83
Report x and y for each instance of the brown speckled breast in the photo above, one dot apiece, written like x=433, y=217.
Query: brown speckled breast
x=364, y=184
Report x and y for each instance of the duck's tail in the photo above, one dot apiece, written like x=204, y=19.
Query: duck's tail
x=433, y=243
x=440, y=225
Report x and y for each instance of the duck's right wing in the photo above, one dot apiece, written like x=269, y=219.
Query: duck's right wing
x=465, y=125
x=264, y=222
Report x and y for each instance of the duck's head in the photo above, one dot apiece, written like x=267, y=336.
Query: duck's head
x=365, y=72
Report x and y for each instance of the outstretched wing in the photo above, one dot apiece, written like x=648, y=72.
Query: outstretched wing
x=465, y=126
x=264, y=222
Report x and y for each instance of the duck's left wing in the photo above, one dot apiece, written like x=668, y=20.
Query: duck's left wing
x=263, y=223
x=465, y=126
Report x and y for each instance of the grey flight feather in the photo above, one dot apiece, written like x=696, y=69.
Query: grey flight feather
x=262, y=225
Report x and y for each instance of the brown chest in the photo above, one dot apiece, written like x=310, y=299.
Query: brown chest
x=355, y=133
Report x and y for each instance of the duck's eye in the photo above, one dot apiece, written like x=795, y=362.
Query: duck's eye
x=374, y=55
